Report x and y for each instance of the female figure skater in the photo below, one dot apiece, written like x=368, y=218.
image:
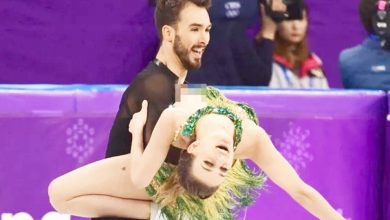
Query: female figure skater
x=294, y=65
x=210, y=182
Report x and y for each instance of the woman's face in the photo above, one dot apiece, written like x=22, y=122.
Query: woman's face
x=213, y=157
x=293, y=31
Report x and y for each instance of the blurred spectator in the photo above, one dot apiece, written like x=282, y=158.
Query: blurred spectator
x=232, y=57
x=294, y=65
x=366, y=66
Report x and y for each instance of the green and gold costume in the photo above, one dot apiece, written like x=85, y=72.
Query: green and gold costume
x=241, y=184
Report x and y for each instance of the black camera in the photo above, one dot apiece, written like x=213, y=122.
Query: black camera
x=294, y=10
x=381, y=22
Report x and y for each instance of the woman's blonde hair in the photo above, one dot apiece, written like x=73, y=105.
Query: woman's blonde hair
x=183, y=182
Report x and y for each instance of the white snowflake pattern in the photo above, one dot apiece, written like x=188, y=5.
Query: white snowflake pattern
x=294, y=146
x=80, y=140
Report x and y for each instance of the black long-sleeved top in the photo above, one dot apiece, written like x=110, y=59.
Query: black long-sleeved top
x=156, y=84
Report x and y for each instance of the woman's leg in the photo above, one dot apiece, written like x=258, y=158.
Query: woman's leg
x=102, y=188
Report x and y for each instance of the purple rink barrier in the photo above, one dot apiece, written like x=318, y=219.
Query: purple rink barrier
x=334, y=139
x=386, y=183
x=45, y=133
x=335, y=142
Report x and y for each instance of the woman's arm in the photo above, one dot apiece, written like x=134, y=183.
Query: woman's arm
x=276, y=167
x=145, y=163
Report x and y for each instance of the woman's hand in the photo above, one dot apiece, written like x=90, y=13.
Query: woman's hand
x=138, y=121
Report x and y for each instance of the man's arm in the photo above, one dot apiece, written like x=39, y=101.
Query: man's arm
x=158, y=91
x=255, y=65
x=119, y=138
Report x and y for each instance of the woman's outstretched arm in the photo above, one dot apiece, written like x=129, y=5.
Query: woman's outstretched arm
x=260, y=149
x=145, y=163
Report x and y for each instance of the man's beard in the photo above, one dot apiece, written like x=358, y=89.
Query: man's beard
x=184, y=55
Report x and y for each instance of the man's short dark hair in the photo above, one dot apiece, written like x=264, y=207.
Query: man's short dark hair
x=167, y=11
x=367, y=10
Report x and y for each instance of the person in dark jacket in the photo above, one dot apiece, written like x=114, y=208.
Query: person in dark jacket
x=233, y=57
x=367, y=65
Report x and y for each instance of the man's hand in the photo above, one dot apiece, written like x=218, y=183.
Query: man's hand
x=278, y=5
x=269, y=26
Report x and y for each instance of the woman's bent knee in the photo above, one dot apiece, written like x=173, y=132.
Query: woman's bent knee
x=56, y=195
